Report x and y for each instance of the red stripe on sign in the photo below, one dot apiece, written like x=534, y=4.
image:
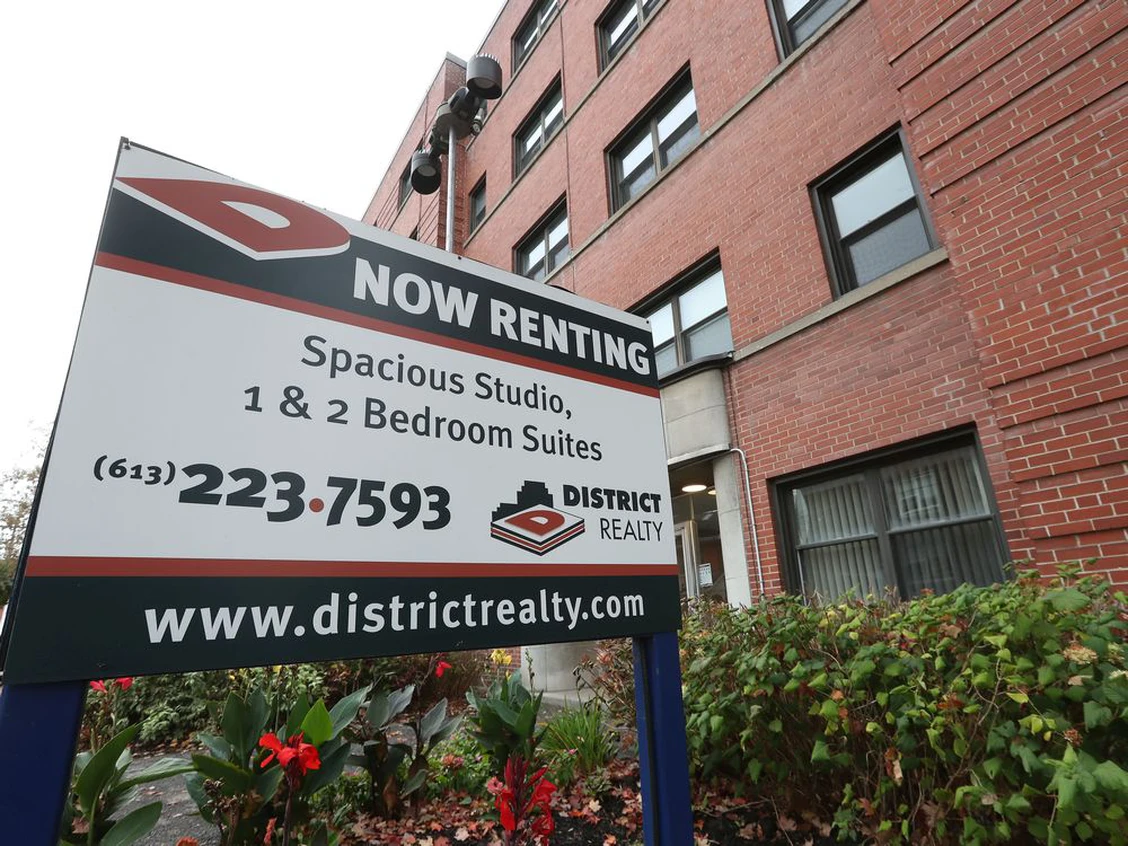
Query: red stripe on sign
x=85, y=566
x=254, y=295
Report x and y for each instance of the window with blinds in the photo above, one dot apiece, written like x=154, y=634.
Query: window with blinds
x=904, y=523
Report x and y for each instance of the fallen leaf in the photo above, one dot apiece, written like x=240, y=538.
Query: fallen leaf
x=461, y=834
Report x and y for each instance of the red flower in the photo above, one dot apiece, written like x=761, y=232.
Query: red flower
x=99, y=686
x=125, y=682
x=295, y=757
x=441, y=668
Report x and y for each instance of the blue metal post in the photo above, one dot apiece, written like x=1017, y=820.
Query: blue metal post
x=38, y=732
x=663, y=755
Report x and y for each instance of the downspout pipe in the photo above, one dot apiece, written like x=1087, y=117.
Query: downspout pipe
x=452, y=154
x=751, y=520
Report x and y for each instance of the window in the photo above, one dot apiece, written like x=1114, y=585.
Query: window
x=619, y=25
x=907, y=521
x=798, y=20
x=478, y=204
x=414, y=236
x=531, y=29
x=661, y=136
x=872, y=216
x=547, y=117
x=692, y=324
x=545, y=248
x=405, y=185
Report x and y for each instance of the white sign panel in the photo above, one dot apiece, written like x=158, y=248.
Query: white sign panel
x=287, y=436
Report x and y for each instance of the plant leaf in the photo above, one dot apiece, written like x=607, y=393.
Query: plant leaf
x=219, y=747
x=133, y=826
x=432, y=721
x=234, y=778
x=164, y=768
x=345, y=711
x=317, y=725
x=414, y=783
x=101, y=768
x=332, y=763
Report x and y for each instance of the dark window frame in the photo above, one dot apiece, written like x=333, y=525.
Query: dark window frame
x=685, y=281
x=475, y=222
x=534, y=19
x=871, y=463
x=540, y=231
x=650, y=116
x=783, y=27
x=840, y=268
x=644, y=9
x=536, y=116
x=405, y=188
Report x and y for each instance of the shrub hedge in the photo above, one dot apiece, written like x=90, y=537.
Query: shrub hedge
x=994, y=714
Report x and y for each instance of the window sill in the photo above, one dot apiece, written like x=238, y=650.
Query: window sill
x=684, y=371
x=846, y=301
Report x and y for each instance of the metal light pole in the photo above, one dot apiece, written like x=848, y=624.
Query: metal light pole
x=458, y=117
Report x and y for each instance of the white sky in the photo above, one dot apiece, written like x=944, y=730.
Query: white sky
x=305, y=99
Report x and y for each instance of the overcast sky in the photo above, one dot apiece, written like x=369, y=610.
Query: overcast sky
x=305, y=99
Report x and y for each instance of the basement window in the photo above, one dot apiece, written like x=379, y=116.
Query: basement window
x=904, y=521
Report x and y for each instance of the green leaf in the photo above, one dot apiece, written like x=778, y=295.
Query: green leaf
x=164, y=768
x=1017, y=802
x=507, y=714
x=266, y=782
x=716, y=722
x=432, y=721
x=235, y=728
x=1110, y=776
x=297, y=714
x=414, y=783
x=345, y=711
x=1066, y=790
x=219, y=747
x=234, y=778
x=101, y=768
x=1020, y=698
x=821, y=752
x=1096, y=714
x=1067, y=599
x=133, y=826
x=317, y=725
x=257, y=714
x=332, y=763
x=775, y=726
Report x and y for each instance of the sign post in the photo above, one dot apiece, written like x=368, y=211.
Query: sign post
x=287, y=436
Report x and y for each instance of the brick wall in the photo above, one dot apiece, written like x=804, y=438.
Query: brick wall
x=1014, y=111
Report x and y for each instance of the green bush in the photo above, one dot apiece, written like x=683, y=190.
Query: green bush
x=460, y=766
x=983, y=715
x=577, y=743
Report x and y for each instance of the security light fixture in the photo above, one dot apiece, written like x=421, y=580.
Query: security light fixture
x=693, y=488
x=461, y=115
x=426, y=171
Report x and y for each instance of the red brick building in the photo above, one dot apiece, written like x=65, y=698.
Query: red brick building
x=882, y=245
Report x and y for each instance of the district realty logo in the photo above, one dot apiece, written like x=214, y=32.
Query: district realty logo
x=532, y=523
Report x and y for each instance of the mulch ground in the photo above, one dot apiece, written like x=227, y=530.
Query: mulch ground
x=614, y=819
